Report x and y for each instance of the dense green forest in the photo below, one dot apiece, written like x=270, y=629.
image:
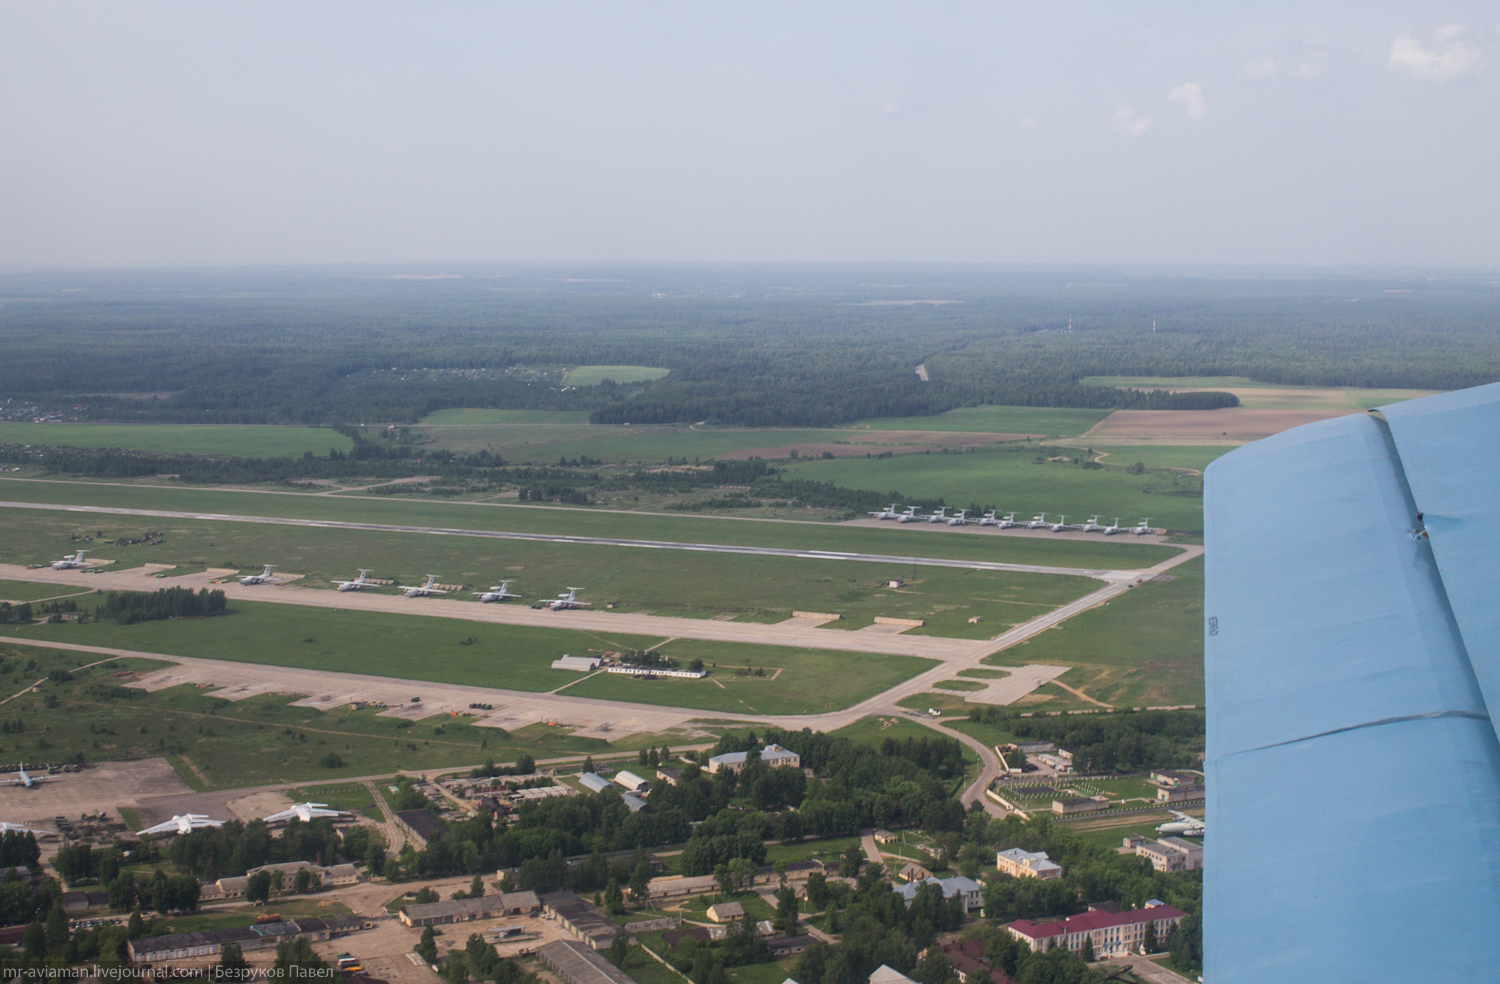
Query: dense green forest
x=802, y=346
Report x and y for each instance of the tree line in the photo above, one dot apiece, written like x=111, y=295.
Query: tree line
x=130, y=607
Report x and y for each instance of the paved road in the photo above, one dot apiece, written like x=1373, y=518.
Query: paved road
x=980, y=565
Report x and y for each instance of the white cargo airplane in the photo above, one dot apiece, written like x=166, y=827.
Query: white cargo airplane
x=889, y=512
x=988, y=519
x=184, y=823
x=1112, y=528
x=70, y=561
x=1007, y=521
x=909, y=516
x=568, y=600
x=1037, y=522
x=1092, y=526
x=25, y=780
x=430, y=588
x=1143, y=529
x=1184, y=825
x=497, y=592
x=357, y=584
x=6, y=827
x=264, y=577
x=938, y=515
x=959, y=518
x=1061, y=526
x=306, y=812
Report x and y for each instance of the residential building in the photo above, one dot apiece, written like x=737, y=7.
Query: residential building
x=1111, y=933
x=1019, y=863
x=967, y=957
x=970, y=892
x=726, y=912
x=773, y=755
x=470, y=910
x=885, y=974
x=669, y=775
x=1169, y=853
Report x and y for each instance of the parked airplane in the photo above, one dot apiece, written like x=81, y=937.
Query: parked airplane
x=938, y=515
x=306, y=812
x=569, y=600
x=184, y=823
x=6, y=827
x=909, y=516
x=1112, y=528
x=1092, y=526
x=430, y=588
x=1184, y=825
x=988, y=519
x=264, y=577
x=1007, y=521
x=1061, y=526
x=1037, y=522
x=356, y=584
x=889, y=512
x=69, y=562
x=958, y=518
x=28, y=781
x=497, y=592
x=1143, y=529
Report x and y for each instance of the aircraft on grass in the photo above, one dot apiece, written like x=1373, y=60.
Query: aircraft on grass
x=1061, y=526
x=1037, y=522
x=306, y=812
x=264, y=577
x=430, y=588
x=69, y=562
x=1184, y=825
x=958, y=518
x=1112, y=528
x=25, y=780
x=937, y=515
x=909, y=516
x=184, y=823
x=568, y=600
x=1143, y=529
x=889, y=512
x=497, y=592
x=356, y=584
x=1092, y=526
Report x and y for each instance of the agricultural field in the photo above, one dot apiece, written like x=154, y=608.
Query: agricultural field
x=216, y=744
x=239, y=440
x=485, y=415
x=404, y=647
x=795, y=681
x=1141, y=649
x=1014, y=480
x=888, y=539
x=1256, y=395
x=594, y=375
x=1053, y=421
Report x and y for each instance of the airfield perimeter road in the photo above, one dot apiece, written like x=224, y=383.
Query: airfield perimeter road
x=980, y=565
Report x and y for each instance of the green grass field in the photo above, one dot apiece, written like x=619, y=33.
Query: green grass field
x=1061, y=422
x=480, y=415
x=874, y=730
x=242, y=440
x=1142, y=649
x=887, y=539
x=1013, y=480
x=216, y=744
x=404, y=647
x=594, y=375
x=1161, y=456
x=1269, y=396
x=811, y=680
x=647, y=444
x=16, y=591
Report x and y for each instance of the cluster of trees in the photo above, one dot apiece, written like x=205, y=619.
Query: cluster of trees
x=15, y=613
x=704, y=961
x=49, y=944
x=478, y=960
x=1110, y=742
x=130, y=607
x=234, y=848
x=524, y=766
x=18, y=850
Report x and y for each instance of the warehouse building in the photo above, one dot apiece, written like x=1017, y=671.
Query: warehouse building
x=575, y=963
x=593, y=782
x=773, y=755
x=472, y=910
x=183, y=946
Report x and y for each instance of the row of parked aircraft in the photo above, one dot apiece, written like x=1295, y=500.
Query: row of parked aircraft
x=186, y=823
x=496, y=592
x=960, y=518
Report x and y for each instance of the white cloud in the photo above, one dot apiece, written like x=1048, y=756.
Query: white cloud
x=889, y=108
x=1450, y=57
x=1265, y=68
x=1125, y=121
x=1030, y=122
x=1190, y=94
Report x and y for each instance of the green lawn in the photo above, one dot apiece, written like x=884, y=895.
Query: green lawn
x=874, y=730
x=1162, y=456
x=594, y=375
x=17, y=591
x=405, y=647
x=1143, y=648
x=811, y=680
x=886, y=539
x=218, y=744
x=960, y=685
x=830, y=849
x=242, y=440
x=1057, y=421
x=1012, y=480
x=353, y=797
x=478, y=415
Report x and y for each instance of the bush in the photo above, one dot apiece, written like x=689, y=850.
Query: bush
x=332, y=760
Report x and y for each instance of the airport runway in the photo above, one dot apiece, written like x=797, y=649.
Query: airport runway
x=980, y=565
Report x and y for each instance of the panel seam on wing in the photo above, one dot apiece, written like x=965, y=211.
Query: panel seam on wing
x=1429, y=716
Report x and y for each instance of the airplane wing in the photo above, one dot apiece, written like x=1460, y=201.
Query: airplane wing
x=1341, y=650
x=283, y=815
x=170, y=826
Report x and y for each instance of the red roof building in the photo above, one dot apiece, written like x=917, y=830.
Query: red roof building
x=1112, y=933
x=967, y=957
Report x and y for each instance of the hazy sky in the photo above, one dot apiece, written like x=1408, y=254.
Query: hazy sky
x=150, y=133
